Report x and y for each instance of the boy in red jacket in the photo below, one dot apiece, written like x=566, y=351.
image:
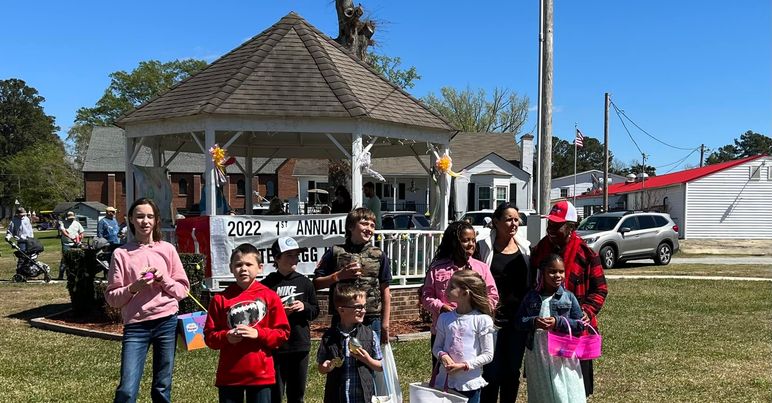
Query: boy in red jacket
x=246, y=322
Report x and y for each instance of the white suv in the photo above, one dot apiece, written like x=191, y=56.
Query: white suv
x=628, y=235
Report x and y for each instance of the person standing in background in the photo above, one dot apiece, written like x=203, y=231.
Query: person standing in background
x=108, y=227
x=373, y=203
x=20, y=228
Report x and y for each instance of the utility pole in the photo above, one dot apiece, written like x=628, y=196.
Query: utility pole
x=537, y=179
x=643, y=181
x=605, y=153
x=702, y=154
x=545, y=105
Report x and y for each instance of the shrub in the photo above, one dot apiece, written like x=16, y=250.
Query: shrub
x=87, y=292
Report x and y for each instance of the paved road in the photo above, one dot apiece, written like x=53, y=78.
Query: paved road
x=718, y=259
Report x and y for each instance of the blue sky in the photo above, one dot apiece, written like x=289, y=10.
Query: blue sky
x=688, y=72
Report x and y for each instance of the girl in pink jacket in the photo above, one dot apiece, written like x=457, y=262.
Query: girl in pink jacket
x=453, y=254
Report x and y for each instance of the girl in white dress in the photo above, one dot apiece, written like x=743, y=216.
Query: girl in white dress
x=550, y=307
x=464, y=340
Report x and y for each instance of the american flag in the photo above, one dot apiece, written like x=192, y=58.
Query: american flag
x=579, y=141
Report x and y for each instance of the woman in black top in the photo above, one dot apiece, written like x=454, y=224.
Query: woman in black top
x=508, y=257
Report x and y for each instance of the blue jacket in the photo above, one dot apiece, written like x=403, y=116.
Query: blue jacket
x=563, y=304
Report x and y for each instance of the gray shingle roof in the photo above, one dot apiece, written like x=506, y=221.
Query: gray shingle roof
x=465, y=149
x=106, y=153
x=289, y=70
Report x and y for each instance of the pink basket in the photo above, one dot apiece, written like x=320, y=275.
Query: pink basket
x=589, y=347
x=585, y=347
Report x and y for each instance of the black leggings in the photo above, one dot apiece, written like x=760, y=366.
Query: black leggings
x=291, y=376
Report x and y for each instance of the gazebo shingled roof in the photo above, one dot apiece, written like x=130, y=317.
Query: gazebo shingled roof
x=290, y=69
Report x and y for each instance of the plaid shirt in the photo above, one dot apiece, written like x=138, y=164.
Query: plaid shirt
x=586, y=280
x=352, y=385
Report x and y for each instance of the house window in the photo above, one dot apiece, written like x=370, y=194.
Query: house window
x=564, y=192
x=501, y=195
x=123, y=187
x=484, y=198
x=755, y=173
x=240, y=188
x=401, y=192
x=183, y=184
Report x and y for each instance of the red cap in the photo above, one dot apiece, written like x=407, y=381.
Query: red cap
x=563, y=211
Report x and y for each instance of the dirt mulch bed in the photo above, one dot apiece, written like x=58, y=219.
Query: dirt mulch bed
x=92, y=321
x=101, y=322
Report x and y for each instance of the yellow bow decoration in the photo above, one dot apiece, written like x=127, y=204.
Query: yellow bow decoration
x=444, y=165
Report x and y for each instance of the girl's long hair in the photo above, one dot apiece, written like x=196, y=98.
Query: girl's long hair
x=157, y=226
x=471, y=281
x=450, y=246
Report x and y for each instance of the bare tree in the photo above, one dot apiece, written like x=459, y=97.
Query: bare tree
x=353, y=33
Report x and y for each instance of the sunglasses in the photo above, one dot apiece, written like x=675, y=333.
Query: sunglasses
x=360, y=307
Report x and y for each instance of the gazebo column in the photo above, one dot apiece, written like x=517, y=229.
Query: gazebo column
x=356, y=173
x=211, y=182
x=248, y=175
x=444, y=191
x=129, y=178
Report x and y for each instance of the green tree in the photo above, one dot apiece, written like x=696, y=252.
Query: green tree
x=473, y=111
x=126, y=92
x=389, y=67
x=23, y=122
x=588, y=157
x=40, y=176
x=750, y=143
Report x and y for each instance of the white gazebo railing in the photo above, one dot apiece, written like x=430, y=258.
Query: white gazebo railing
x=410, y=252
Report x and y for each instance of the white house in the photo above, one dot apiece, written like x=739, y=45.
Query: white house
x=498, y=170
x=586, y=181
x=721, y=201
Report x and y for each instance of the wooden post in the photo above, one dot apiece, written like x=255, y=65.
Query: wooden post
x=209, y=175
x=248, y=175
x=545, y=140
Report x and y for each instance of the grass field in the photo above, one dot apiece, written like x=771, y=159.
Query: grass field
x=691, y=269
x=664, y=340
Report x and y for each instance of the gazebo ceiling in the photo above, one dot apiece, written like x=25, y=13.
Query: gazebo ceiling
x=287, y=89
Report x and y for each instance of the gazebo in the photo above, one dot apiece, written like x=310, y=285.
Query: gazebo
x=289, y=92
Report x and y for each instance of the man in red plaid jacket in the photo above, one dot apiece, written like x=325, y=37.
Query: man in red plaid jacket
x=584, y=273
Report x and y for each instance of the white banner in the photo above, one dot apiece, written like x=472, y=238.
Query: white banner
x=316, y=232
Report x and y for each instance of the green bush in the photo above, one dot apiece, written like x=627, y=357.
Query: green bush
x=86, y=287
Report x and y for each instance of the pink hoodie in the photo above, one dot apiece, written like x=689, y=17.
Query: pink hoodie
x=160, y=298
x=437, y=279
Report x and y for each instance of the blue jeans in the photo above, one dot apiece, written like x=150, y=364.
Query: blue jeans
x=137, y=339
x=241, y=394
x=473, y=395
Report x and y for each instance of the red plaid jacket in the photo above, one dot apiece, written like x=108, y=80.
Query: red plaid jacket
x=586, y=279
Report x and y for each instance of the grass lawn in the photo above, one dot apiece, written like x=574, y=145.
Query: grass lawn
x=664, y=340
x=691, y=269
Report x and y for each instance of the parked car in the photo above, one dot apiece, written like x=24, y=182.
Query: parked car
x=627, y=235
x=411, y=220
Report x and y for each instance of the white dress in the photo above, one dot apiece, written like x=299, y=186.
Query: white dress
x=466, y=338
x=551, y=379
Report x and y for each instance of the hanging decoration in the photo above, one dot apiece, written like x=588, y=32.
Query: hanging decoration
x=366, y=167
x=221, y=160
x=444, y=164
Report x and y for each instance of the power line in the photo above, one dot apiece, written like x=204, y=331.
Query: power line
x=677, y=163
x=625, y=126
x=645, y=132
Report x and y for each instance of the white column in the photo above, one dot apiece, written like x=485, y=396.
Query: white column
x=356, y=173
x=444, y=192
x=211, y=185
x=248, y=175
x=394, y=195
x=129, y=178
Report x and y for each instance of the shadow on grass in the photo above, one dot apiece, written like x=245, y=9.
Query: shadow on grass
x=45, y=310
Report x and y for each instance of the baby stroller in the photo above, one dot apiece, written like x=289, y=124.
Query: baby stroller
x=27, y=265
x=104, y=253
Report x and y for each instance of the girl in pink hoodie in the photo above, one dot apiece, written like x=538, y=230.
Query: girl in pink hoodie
x=453, y=254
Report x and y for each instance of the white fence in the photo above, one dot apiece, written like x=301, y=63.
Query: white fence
x=410, y=252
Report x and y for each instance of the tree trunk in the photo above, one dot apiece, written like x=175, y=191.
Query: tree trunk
x=354, y=34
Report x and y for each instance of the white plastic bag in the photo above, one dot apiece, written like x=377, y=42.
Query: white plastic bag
x=422, y=392
x=387, y=382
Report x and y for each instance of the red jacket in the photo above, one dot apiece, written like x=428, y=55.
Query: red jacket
x=248, y=362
